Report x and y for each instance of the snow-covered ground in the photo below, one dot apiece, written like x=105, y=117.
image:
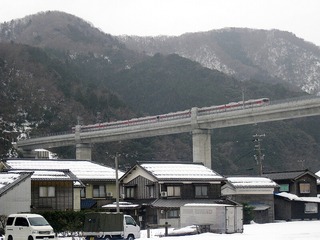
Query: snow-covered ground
x=298, y=230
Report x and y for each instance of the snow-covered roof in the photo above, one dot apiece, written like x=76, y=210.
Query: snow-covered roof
x=48, y=175
x=177, y=203
x=294, y=197
x=82, y=169
x=7, y=178
x=285, y=175
x=249, y=182
x=181, y=171
x=206, y=205
x=126, y=205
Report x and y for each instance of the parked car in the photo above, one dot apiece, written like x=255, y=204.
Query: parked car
x=28, y=227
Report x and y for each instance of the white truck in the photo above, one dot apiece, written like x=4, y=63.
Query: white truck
x=110, y=225
x=217, y=218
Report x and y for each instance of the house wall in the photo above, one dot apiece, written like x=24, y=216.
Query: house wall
x=293, y=210
x=282, y=209
x=265, y=216
x=142, y=191
x=109, y=188
x=294, y=185
x=76, y=199
x=187, y=191
x=63, y=199
x=306, y=179
x=298, y=211
x=17, y=199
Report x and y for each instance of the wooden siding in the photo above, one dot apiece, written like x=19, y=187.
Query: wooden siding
x=142, y=189
x=188, y=191
x=294, y=186
x=293, y=210
x=260, y=217
x=63, y=199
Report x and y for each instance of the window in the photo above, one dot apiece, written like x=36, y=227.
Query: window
x=47, y=191
x=284, y=187
x=38, y=221
x=151, y=191
x=201, y=191
x=21, y=221
x=173, y=191
x=130, y=221
x=83, y=192
x=10, y=221
x=130, y=192
x=174, y=213
x=99, y=191
x=311, y=207
x=304, y=187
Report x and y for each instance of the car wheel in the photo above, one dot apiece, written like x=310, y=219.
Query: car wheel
x=130, y=237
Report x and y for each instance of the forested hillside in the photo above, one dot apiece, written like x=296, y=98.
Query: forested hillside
x=270, y=55
x=86, y=76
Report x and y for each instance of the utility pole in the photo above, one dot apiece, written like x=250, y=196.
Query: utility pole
x=117, y=182
x=259, y=157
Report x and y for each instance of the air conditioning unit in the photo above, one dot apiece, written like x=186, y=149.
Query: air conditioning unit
x=163, y=194
x=109, y=194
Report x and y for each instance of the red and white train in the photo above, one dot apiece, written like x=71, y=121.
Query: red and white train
x=177, y=115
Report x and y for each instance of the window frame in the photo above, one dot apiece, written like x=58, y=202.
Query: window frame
x=310, y=208
x=203, y=191
x=304, y=188
x=151, y=191
x=99, y=191
x=130, y=192
x=284, y=187
x=173, y=213
x=174, y=191
x=47, y=191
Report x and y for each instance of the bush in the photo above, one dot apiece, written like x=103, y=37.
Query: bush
x=247, y=213
x=65, y=221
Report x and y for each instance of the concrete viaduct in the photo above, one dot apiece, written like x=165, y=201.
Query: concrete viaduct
x=193, y=121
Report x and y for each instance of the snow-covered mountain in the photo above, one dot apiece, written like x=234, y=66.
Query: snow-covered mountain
x=243, y=53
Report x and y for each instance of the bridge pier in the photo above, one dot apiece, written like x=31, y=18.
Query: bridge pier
x=83, y=151
x=201, y=146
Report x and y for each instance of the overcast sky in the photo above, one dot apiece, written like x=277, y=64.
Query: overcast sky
x=175, y=17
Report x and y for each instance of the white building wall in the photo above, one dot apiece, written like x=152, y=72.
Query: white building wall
x=76, y=199
x=17, y=199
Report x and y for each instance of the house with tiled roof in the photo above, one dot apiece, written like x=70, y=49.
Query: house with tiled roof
x=82, y=184
x=15, y=192
x=256, y=192
x=318, y=183
x=296, y=197
x=162, y=188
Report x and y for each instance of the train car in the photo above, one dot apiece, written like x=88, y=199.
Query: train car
x=177, y=115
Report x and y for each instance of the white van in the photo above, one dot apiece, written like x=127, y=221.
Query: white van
x=28, y=227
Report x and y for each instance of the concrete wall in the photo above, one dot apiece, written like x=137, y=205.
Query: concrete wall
x=17, y=199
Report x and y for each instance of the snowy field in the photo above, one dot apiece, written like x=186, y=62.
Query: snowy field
x=299, y=230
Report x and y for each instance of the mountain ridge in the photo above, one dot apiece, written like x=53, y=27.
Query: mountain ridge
x=243, y=53
x=103, y=80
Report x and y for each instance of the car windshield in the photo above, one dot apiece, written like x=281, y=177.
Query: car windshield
x=38, y=221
